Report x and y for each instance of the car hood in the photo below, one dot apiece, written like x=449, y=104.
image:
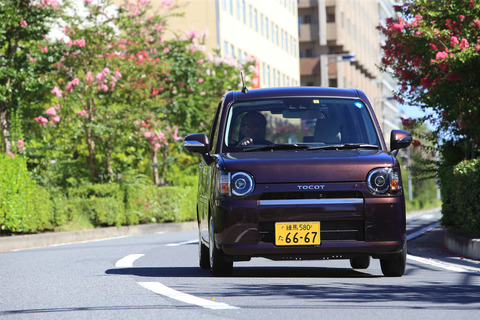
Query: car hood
x=307, y=165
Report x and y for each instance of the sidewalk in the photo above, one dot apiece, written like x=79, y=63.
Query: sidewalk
x=431, y=245
x=52, y=238
x=438, y=243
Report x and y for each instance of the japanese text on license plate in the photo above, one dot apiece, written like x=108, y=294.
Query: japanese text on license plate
x=297, y=233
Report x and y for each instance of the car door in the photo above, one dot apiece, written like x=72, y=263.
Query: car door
x=205, y=177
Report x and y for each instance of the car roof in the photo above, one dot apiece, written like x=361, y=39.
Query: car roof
x=295, y=92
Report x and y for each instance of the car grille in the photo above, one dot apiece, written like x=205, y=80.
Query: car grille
x=352, y=230
x=310, y=195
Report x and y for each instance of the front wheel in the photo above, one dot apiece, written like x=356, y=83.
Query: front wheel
x=219, y=267
x=395, y=266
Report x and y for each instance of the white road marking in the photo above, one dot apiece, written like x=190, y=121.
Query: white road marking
x=181, y=243
x=422, y=231
x=163, y=290
x=445, y=266
x=127, y=262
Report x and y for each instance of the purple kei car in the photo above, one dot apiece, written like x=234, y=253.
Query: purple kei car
x=299, y=173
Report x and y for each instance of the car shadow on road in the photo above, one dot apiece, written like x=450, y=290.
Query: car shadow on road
x=244, y=272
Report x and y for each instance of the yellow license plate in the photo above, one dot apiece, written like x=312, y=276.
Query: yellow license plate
x=297, y=233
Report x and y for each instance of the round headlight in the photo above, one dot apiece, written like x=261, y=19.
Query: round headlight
x=241, y=184
x=378, y=180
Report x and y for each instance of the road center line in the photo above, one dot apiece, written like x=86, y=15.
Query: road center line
x=127, y=262
x=163, y=290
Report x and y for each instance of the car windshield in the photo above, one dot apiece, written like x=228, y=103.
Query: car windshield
x=299, y=123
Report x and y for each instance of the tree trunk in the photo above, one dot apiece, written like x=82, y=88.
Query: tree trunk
x=6, y=143
x=155, y=166
x=91, y=154
x=163, y=181
x=108, y=157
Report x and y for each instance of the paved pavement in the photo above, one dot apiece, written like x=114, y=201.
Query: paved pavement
x=18, y=242
x=429, y=245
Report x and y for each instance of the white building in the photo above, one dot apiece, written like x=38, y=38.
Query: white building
x=265, y=29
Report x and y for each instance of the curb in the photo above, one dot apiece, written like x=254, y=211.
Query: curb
x=53, y=238
x=461, y=244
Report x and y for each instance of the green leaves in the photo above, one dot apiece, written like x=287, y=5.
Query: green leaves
x=435, y=60
x=24, y=206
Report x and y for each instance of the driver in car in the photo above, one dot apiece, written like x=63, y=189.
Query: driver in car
x=252, y=130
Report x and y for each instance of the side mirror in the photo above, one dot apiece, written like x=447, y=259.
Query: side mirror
x=197, y=142
x=399, y=139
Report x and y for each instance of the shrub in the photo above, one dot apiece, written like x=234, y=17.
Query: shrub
x=24, y=206
x=102, y=203
x=460, y=194
x=131, y=202
x=161, y=204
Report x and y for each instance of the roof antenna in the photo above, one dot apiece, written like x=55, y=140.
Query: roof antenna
x=244, y=88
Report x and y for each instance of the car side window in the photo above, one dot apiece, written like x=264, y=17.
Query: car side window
x=214, y=130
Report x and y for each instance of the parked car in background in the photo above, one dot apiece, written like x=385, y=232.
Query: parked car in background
x=299, y=173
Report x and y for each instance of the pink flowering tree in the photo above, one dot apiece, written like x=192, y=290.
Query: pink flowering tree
x=158, y=139
x=433, y=49
x=118, y=72
x=25, y=62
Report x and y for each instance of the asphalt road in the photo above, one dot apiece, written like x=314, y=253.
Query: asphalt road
x=157, y=276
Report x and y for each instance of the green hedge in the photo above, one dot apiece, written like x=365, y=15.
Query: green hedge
x=460, y=195
x=24, y=206
x=127, y=204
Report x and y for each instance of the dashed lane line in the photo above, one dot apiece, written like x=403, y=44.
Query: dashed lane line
x=127, y=262
x=163, y=290
x=181, y=243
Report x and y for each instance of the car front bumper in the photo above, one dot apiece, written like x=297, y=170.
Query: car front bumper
x=350, y=226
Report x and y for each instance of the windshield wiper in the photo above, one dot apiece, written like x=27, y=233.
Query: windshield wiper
x=280, y=146
x=346, y=146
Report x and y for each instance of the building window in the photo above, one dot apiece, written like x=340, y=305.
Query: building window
x=266, y=28
x=255, y=19
x=230, y=7
x=275, y=34
x=264, y=73
x=268, y=76
x=250, y=16
x=262, y=24
x=330, y=14
x=238, y=9
x=333, y=83
x=225, y=48
x=283, y=44
x=307, y=19
x=244, y=13
x=224, y=5
x=309, y=52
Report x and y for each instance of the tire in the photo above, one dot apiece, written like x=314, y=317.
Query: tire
x=203, y=255
x=362, y=262
x=219, y=267
x=395, y=266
